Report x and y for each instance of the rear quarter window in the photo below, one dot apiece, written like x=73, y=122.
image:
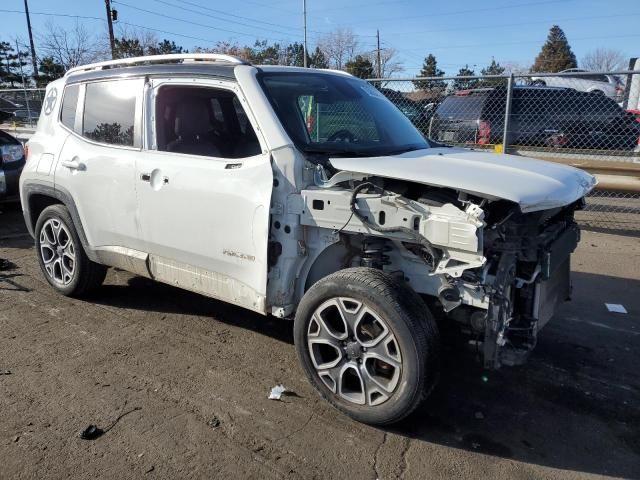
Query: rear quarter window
x=69, y=105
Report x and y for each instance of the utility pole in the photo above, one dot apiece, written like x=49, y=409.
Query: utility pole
x=379, y=62
x=24, y=84
x=304, y=45
x=110, y=23
x=34, y=61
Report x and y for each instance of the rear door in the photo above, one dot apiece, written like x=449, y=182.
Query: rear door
x=96, y=165
x=204, y=189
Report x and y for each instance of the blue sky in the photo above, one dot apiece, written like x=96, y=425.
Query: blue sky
x=458, y=33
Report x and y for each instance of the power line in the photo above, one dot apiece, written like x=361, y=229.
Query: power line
x=247, y=19
x=475, y=45
x=208, y=40
x=85, y=17
x=53, y=14
x=230, y=14
x=461, y=12
x=493, y=27
x=218, y=18
x=202, y=25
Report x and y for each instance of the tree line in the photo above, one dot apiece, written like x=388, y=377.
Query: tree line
x=61, y=49
x=555, y=55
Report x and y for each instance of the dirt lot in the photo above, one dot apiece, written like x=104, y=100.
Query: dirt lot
x=198, y=372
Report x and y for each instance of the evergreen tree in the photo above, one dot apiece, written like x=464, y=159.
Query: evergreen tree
x=360, y=67
x=49, y=71
x=294, y=55
x=493, y=69
x=10, y=63
x=465, y=83
x=264, y=54
x=556, y=54
x=164, y=47
x=430, y=69
x=317, y=59
x=127, y=47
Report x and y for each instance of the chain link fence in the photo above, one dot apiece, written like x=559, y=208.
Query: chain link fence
x=586, y=119
x=20, y=106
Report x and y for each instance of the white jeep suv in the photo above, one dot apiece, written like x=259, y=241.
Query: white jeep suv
x=301, y=193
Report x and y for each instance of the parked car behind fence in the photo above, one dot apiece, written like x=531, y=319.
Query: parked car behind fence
x=584, y=81
x=566, y=125
x=540, y=117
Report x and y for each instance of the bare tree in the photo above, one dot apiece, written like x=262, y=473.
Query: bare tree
x=70, y=47
x=389, y=63
x=515, y=68
x=604, y=60
x=339, y=46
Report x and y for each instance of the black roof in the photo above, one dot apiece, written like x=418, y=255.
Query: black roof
x=191, y=69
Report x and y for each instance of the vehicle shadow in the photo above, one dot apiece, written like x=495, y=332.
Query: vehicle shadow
x=573, y=406
x=13, y=231
x=141, y=293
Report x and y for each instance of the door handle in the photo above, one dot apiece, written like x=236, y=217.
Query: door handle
x=73, y=164
x=146, y=177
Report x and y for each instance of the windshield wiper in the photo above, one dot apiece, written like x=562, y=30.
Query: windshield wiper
x=400, y=151
x=333, y=153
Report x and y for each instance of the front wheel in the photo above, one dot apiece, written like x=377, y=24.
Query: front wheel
x=368, y=344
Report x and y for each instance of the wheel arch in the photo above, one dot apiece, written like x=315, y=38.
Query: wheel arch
x=38, y=196
x=322, y=262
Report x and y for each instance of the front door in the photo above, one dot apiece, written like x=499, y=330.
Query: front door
x=204, y=187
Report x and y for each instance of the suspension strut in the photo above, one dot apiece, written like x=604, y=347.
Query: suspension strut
x=373, y=253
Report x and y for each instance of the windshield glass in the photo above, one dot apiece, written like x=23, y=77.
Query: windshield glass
x=339, y=115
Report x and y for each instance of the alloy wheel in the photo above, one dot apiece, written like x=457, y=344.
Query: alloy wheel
x=57, y=251
x=354, y=352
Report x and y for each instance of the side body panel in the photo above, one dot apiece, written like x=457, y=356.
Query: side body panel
x=45, y=145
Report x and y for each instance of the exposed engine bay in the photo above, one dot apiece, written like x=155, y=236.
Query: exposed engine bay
x=495, y=271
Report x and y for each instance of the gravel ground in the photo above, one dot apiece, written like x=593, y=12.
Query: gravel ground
x=191, y=376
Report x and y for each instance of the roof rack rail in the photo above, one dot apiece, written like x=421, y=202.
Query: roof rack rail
x=169, y=58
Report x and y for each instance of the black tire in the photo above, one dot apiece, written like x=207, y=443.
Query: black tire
x=408, y=319
x=87, y=275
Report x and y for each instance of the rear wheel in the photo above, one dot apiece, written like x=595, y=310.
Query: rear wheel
x=368, y=344
x=61, y=256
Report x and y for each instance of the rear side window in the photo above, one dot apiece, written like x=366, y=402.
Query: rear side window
x=69, y=104
x=109, y=112
x=462, y=106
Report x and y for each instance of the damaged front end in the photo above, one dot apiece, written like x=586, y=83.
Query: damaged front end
x=497, y=272
x=527, y=277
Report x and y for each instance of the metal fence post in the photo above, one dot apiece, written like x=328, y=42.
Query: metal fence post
x=507, y=114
